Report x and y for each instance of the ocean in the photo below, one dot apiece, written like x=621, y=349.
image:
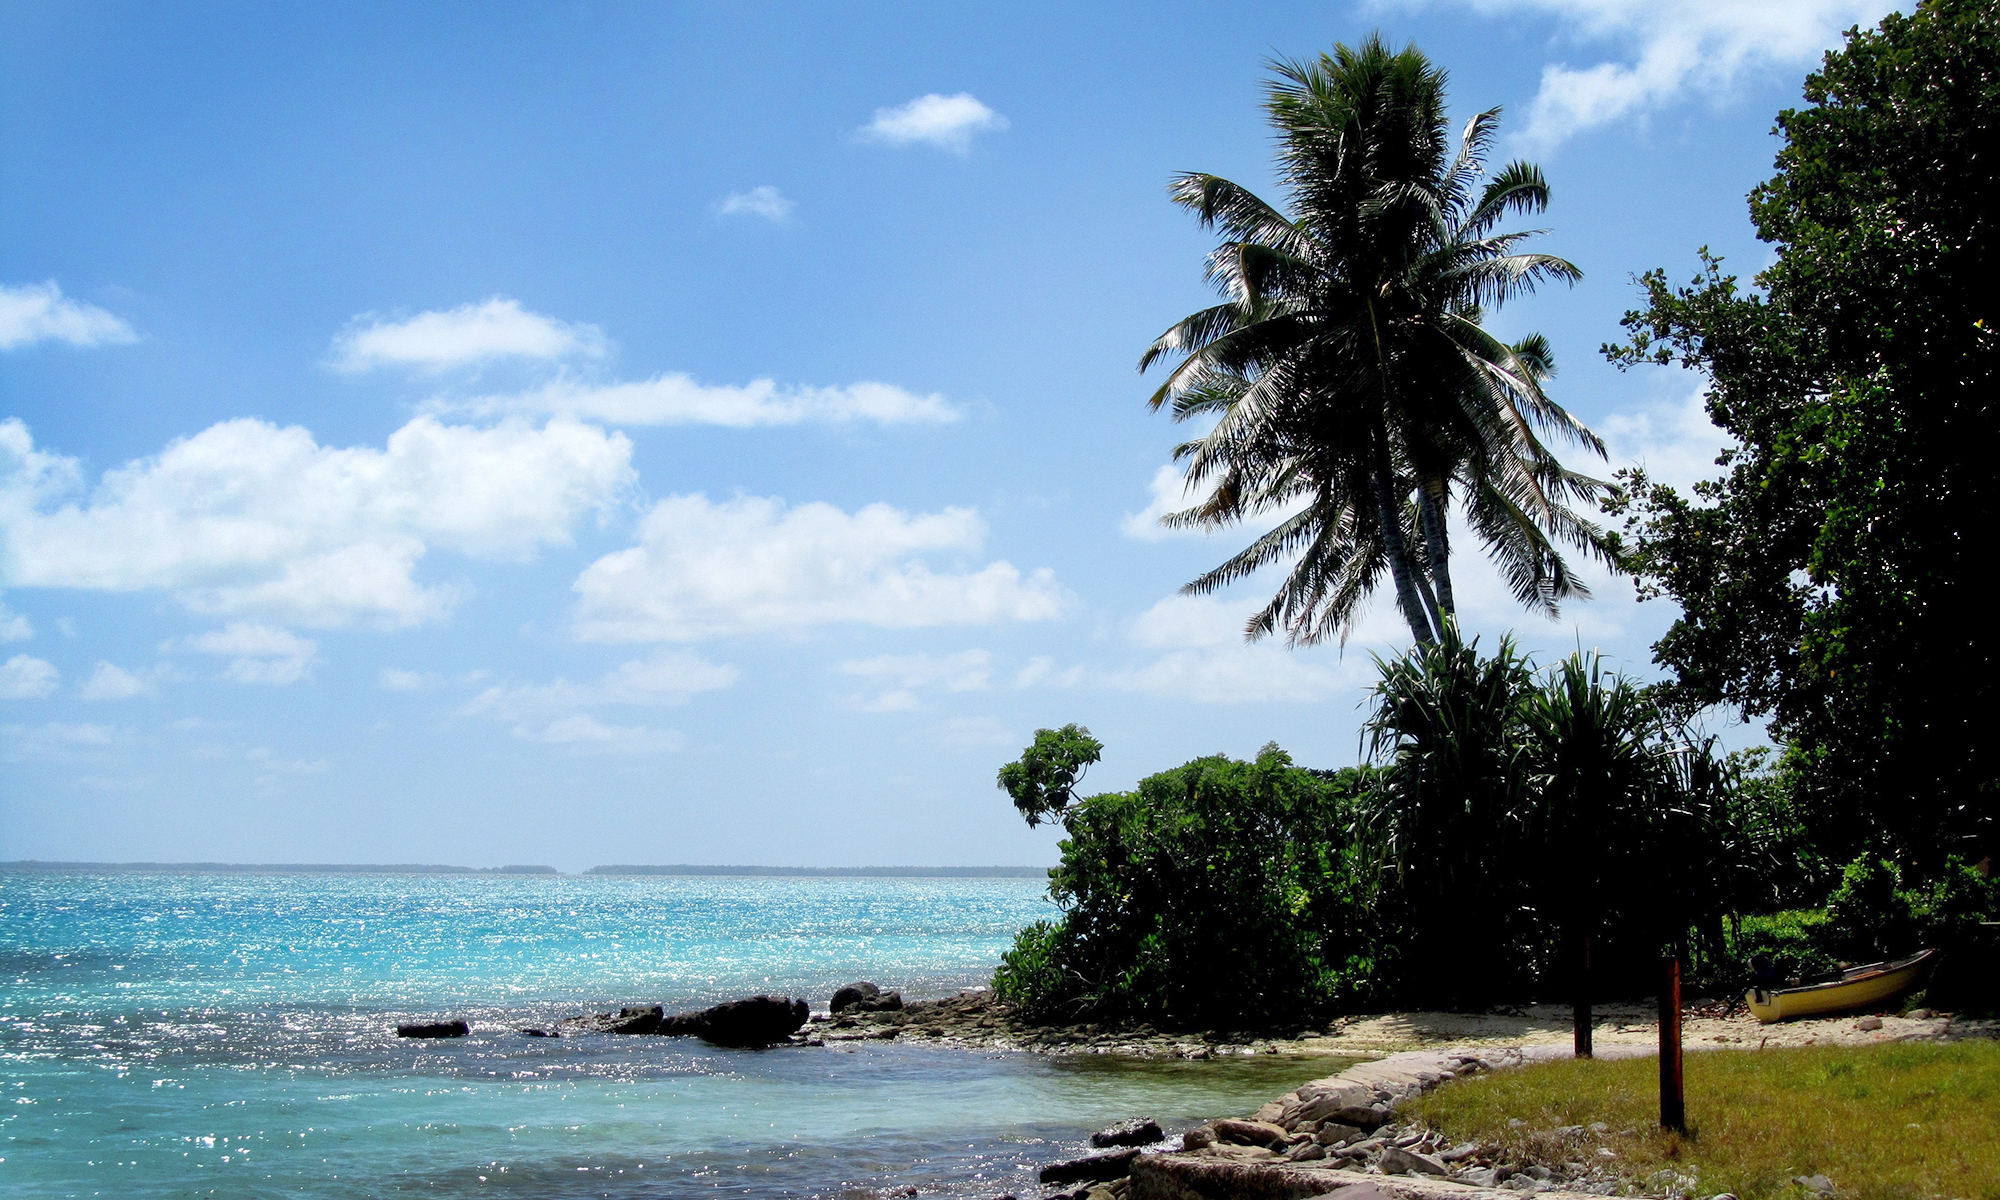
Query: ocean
x=233, y=1035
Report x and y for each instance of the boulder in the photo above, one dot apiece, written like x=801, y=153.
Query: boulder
x=1333, y=1133
x=1316, y=1104
x=1091, y=1168
x=852, y=995
x=434, y=1029
x=1251, y=1133
x=756, y=1021
x=1139, y=1131
x=1398, y=1161
x=1367, y=1116
x=635, y=1019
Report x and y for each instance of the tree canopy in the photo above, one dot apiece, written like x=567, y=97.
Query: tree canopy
x=1834, y=577
x=1355, y=390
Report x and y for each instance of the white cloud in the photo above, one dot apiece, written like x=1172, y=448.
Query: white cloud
x=257, y=653
x=671, y=677
x=57, y=741
x=586, y=734
x=976, y=733
x=898, y=677
x=39, y=312
x=13, y=626
x=1167, y=493
x=471, y=333
x=1672, y=439
x=25, y=678
x=766, y=201
x=246, y=519
x=707, y=569
x=109, y=682
x=675, y=399
x=1206, y=659
x=394, y=679
x=1672, y=50
x=947, y=122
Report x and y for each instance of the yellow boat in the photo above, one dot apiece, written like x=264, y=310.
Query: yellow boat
x=1858, y=987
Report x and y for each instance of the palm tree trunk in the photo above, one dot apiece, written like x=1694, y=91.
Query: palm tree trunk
x=1432, y=502
x=1401, y=568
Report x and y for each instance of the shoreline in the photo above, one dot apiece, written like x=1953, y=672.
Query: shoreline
x=975, y=1020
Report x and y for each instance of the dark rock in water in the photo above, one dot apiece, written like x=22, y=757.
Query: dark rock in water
x=886, y=1002
x=1139, y=1131
x=434, y=1029
x=641, y=1019
x=1091, y=1168
x=852, y=995
x=757, y=1021
x=540, y=1033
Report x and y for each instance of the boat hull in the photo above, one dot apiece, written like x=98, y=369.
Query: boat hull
x=1863, y=987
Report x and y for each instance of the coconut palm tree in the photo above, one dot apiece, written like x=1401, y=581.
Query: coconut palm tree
x=1353, y=385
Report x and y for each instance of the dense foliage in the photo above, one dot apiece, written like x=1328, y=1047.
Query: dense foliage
x=1832, y=577
x=1511, y=814
x=1219, y=893
x=1354, y=388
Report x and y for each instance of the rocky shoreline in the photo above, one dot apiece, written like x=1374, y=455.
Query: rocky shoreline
x=1339, y=1136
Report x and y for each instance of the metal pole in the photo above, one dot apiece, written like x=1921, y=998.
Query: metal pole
x=1581, y=1011
x=1673, y=1105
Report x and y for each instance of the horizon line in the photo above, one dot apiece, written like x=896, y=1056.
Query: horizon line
x=32, y=866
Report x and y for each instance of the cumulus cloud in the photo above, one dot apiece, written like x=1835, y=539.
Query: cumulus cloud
x=706, y=569
x=1205, y=659
x=897, y=678
x=1672, y=438
x=25, y=678
x=57, y=741
x=247, y=519
x=471, y=333
x=13, y=626
x=766, y=201
x=976, y=733
x=586, y=734
x=1167, y=493
x=39, y=312
x=947, y=122
x=1670, y=50
x=257, y=653
x=676, y=399
x=667, y=678
x=111, y=682
x=395, y=679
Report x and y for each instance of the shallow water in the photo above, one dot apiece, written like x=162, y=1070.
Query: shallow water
x=181, y=1035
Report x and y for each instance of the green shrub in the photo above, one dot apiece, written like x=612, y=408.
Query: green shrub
x=1218, y=894
x=1797, y=942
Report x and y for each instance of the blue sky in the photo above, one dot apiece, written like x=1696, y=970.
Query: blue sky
x=707, y=432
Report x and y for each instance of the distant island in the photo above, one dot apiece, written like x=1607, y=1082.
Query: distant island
x=837, y=872
x=36, y=867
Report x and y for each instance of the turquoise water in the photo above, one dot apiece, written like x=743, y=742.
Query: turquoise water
x=228, y=1035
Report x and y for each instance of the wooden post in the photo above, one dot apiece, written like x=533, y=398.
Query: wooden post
x=1581, y=1012
x=1673, y=1105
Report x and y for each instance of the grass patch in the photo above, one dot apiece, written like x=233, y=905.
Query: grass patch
x=1891, y=1122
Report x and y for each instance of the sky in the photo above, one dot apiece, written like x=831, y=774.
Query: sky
x=709, y=432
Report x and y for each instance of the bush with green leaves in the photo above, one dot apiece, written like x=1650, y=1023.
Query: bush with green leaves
x=1220, y=894
x=1507, y=816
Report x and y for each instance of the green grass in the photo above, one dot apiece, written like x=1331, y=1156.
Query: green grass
x=1891, y=1122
